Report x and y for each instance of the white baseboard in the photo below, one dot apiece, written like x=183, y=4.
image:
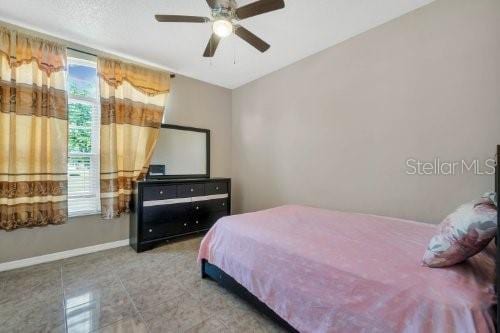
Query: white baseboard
x=60, y=255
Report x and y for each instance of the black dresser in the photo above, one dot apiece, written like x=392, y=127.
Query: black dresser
x=165, y=209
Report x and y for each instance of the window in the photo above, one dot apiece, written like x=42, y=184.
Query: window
x=83, y=138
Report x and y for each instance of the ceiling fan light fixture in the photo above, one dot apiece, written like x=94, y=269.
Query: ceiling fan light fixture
x=224, y=17
x=222, y=28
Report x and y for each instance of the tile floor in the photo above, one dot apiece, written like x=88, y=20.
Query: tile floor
x=121, y=291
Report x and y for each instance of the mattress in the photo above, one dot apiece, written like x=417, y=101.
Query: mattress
x=328, y=271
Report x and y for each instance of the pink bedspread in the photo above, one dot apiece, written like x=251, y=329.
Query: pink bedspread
x=327, y=271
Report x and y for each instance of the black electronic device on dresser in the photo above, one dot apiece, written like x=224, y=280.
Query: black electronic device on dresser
x=169, y=208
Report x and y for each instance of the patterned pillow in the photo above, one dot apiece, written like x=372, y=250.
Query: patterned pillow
x=492, y=196
x=462, y=234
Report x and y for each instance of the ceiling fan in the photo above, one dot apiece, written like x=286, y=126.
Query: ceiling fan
x=225, y=15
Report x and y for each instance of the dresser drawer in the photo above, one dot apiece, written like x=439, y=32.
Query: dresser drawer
x=151, y=232
x=159, y=192
x=164, y=214
x=201, y=209
x=208, y=220
x=199, y=224
x=216, y=188
x=217, y=205
x=190, y=190
x=198, y=209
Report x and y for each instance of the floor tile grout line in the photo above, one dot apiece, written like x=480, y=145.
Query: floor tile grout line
x=112, y=323
x=116, y=276
x=181, y=287
x=107, y=325
x=132, y=301
x=210, y=314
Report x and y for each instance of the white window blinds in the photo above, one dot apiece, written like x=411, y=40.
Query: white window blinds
x=83, y=137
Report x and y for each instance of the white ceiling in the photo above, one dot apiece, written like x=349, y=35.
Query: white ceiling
x=127, y=28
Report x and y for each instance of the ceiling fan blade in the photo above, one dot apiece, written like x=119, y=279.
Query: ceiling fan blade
x=211, y=46
x=212, y=3
x=259, y=7
x=181, y=18
x=251, y=39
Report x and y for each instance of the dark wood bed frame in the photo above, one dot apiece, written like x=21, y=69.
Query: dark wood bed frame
x=215, y=273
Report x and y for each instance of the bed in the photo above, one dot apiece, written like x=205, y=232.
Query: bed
x=316, y=270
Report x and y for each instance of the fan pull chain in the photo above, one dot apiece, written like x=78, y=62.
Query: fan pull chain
x=234, y=51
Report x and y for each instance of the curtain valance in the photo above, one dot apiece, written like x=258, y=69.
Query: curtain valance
x=145, y=80
x=23, y=49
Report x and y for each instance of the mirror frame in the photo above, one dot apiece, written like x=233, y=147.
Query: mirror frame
x=192, y=129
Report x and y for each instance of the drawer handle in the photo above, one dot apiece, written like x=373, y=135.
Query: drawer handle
x=196, y=222
x=150, y=230
x=217, y=188
x=197, y=207
x=192, y=190
x=185, y=224
x=223, y=204
x=161, y=192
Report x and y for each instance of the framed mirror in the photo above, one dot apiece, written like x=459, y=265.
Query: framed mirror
x=181, y=152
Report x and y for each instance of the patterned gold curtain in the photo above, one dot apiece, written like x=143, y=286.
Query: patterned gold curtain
x=132, y=103
x=33, y=132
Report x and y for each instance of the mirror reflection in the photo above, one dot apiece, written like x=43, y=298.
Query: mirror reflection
x=181, y=151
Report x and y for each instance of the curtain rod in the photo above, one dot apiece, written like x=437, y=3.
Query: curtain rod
x=95, y=55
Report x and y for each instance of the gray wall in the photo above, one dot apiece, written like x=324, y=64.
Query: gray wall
x=190, y=103
x=335, y=129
